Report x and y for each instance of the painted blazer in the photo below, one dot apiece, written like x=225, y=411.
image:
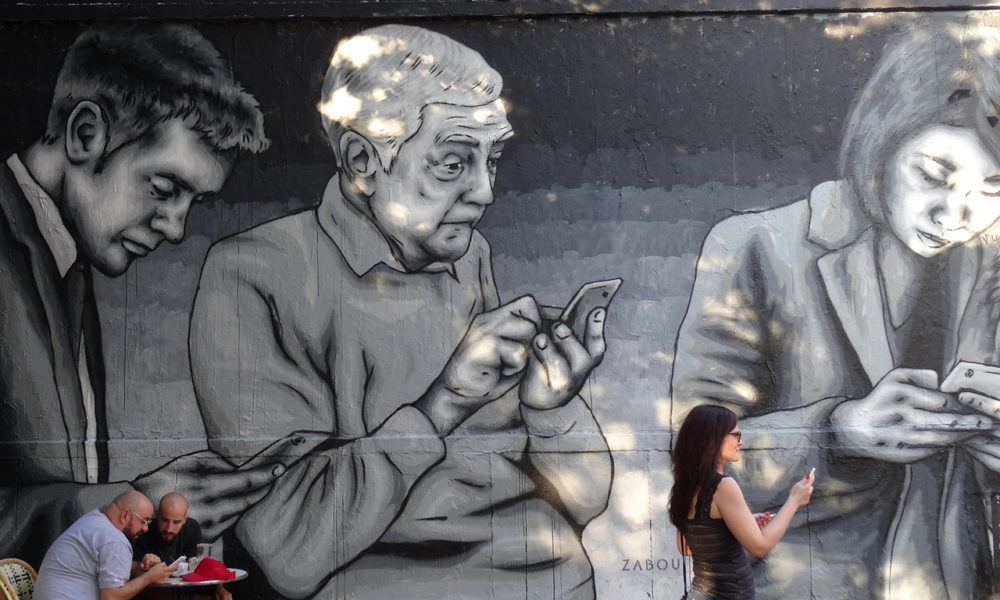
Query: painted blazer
x=785, y=321
x=42, y=468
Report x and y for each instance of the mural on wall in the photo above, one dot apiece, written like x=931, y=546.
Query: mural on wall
x=831, y=326
x=446, y=450
x=366, y=334
x=358, y=393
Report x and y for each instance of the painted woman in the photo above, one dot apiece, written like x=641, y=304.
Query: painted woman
x=828, y=324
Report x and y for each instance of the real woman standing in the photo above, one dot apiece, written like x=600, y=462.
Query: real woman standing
x=709, y=512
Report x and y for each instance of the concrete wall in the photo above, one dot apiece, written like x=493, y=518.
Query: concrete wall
x=639, y=130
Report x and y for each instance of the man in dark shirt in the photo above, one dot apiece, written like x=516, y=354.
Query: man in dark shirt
x=174, y=535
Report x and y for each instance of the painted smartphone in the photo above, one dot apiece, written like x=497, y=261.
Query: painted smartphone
x=590, y=296
x=973, y=377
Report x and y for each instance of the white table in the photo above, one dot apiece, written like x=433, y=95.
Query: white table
x=182, y=587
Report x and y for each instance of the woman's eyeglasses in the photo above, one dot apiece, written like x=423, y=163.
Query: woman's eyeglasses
x=738, y=434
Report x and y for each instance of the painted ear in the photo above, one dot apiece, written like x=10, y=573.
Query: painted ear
x=86, y=133
x=358, y=161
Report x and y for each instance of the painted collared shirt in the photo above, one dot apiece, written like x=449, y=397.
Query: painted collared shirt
x=308, y=323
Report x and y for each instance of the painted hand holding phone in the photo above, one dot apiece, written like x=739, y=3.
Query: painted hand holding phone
x=590, y=296
x=566, y=350
x=976, y=387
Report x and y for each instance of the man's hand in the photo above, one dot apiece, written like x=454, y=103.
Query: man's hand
x=217, y=492
x=487, y=362
x=159, y=572
x=148, y=561
x=156, y=574
x=561, y=363
x=904, y=419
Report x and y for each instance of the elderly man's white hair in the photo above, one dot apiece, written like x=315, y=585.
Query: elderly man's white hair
x=380, y=80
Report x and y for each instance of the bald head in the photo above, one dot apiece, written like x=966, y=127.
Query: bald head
x=173, y=502
x=132, y=500
x=130, y=513
x=171, y=515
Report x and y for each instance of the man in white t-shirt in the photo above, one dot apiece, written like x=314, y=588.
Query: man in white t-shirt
x=91, y=560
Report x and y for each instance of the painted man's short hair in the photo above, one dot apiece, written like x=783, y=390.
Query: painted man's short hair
x=381, y=79
x=143, y=75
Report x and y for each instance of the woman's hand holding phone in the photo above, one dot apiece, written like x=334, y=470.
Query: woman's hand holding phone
x=802, y=491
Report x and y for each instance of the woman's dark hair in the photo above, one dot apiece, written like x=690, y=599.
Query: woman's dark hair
x=695, y=458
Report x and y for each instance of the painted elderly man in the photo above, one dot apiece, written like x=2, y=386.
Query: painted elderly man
x=456, y=458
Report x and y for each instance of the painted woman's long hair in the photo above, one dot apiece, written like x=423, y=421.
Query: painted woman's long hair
x=943, y=72
x=695, y=458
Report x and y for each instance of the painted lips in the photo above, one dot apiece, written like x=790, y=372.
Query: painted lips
x=134, y=248
x=932, y=240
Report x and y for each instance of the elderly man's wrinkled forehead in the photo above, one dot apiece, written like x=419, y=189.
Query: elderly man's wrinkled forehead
x=488, y=118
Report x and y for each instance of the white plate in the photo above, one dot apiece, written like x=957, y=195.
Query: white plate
x=174, y=581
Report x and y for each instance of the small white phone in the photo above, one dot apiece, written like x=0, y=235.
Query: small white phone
x=596, y=294
x=973, y=377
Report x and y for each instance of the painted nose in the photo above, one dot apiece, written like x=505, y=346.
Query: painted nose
x=952, y=213
x=481, y=187
x=170, y=220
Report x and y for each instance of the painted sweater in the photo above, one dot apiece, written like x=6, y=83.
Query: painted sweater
x=309, y=323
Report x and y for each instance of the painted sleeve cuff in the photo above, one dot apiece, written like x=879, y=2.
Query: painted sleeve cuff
x=568, y=428
x=410, y=442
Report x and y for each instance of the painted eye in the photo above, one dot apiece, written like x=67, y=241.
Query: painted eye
x=491, y=163
x=449, y=167
x=162, y=187
x=931, y=178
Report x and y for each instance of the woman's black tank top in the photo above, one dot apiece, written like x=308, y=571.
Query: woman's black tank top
x=721, y=568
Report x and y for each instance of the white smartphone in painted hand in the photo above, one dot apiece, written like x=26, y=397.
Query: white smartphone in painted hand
x=593, y=295
x=973, y=377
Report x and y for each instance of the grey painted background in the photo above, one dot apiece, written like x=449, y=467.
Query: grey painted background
x=635, y=134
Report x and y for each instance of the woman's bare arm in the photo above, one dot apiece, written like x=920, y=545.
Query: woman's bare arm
x=741, y=522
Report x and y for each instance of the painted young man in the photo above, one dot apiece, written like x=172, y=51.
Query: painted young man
x=144, y=122
x=457, y=459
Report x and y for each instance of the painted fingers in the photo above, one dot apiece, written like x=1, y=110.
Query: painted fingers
x=560, y=363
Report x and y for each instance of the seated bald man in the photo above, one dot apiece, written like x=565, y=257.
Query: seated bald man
x=91, y=560
x=175, y=535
